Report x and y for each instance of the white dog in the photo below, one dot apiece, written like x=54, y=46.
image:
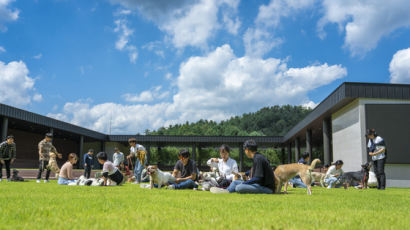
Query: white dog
x=159, y=177
x=88, y=182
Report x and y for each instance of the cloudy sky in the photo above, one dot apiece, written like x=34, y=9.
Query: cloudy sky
x=146, y=64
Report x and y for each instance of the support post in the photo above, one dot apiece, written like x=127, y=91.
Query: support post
x=81, y=152
x=326, y=140
x=199, y=157
x=148, y=157
x=4, y=128
x=194, y=152
x=289, y=152
x=283, y=155
x=309, y=143
x=241, y=153
x=51, y=131
x=159, y=155
x=297, y=149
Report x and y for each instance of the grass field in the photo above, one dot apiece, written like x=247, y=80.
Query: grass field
x=29, y=205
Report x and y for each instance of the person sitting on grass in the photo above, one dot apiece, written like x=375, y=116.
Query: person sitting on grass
x=333, y=174
x=262, y=178
x=187, y=170
x=110, y=173
x=66, y=172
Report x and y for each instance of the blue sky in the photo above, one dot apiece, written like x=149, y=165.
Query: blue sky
x=147, y=64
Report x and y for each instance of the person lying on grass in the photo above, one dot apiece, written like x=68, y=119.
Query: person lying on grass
x=262, y=179
x=111, y=175
x=187, y=170
x=66, y=172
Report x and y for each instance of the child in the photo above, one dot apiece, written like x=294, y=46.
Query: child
x=118, y=158
x=66, y=173
x=88, y=163
x=109, y=170
x=333, y=174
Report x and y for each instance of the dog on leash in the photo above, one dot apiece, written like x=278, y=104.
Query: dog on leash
x=360, y=177
x=319, y=177
x=287, y=171
x=52, y=164
x=159, y=177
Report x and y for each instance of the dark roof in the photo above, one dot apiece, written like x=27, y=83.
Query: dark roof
x=19, y=114
x=198, y=140
x=344, y=94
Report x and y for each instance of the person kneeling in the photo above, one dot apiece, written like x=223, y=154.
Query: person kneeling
x=111, y=174
x=66, y=172
x=262, y=179
x=187, y=170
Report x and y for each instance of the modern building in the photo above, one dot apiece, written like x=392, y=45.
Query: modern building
x=336, y=128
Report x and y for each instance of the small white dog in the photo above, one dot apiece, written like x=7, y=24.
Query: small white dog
x=159, y=177
x=89, y=182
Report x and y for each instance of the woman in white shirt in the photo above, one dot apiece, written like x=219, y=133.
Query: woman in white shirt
x=334, y=173
x=227, y=166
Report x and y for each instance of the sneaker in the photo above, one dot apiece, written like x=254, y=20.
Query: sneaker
x=218, y=190
x=38, y=181
x=8, y=179
x=145, y=186
x=136, y=182
x=329, y=187
x=46, y=181
x=0, y=179
x=171, y=186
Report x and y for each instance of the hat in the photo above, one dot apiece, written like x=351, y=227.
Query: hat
x=10, y=137
x=49, y=135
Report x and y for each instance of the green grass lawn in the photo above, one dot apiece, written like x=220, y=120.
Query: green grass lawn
x=29, y=205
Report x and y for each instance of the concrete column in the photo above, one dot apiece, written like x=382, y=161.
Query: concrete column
x=51, y=130
x=241, y=153
x=81, y=152
x=289, y=152
x=297, y=149
x=309, y=143
x=283, y=155
x=326, y=140
x=102, y=146
x=194, y=152
x=199, y=157
x=148, y=156
x=4, y=128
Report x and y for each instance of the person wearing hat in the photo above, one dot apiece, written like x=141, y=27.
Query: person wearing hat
x=44, y=148
x=138, y=151
x=7, y=155
x=377, y=150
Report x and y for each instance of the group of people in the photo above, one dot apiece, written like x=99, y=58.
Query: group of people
x=185, y=170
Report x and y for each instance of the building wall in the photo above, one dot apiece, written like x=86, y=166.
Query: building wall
x=347, y=136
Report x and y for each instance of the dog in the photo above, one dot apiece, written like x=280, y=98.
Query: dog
x=52, y=164
x=89, y=182
x=159, y=177
x=16, y=177
x=287, y=171
x=360, y=177
x=319, y=177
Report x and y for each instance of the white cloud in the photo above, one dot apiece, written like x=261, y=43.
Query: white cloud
x=2, y=49
x=260, y=39
x=365, y=22
x=310, y=105
x=16, y=87
x=215, y=86
x=155, y=47
x=38, y=56
x=400, y=67
x=124, y=34
x=146, y=96
x=188, y=23
x=7, y=14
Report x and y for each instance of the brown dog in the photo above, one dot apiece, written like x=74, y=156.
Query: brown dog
x=288, y=171
x=319, y=177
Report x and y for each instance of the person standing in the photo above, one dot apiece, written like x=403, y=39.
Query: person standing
x=44, y=148
x=7, y=155
x=377, y=150
x=137, y=151
x=118, y=158
x=88, y=163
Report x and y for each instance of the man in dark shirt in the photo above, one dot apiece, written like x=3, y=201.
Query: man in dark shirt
x=187, y=171
x=7, y=155
x=262, y=178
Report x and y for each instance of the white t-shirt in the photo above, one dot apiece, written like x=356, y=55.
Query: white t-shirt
x=118, y=158
x=138, y=147
x=225, y=168
x=379, y=143
x=109, y=167
x=332, y=172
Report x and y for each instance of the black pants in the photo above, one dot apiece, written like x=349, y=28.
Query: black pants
x=379, y=171
x=43, y=165
x=7, y=163
x=117, y=177
x=87, y=172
